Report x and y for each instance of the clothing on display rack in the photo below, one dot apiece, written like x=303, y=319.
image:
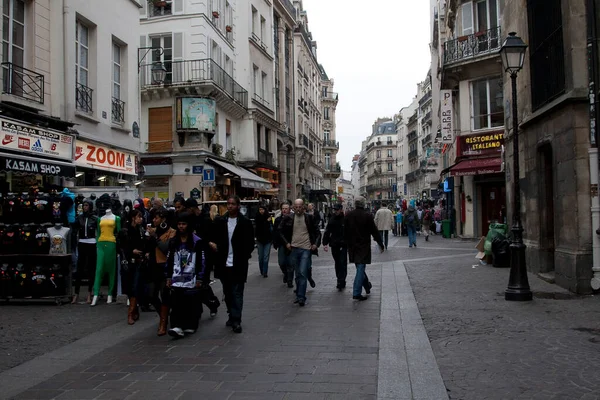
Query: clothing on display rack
x=59, y=239
x=43, y=239
x=27, y=240
x=67, y=206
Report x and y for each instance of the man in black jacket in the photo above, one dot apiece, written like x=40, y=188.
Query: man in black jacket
x=334, y=236
x=234, y=244
x=305, y=240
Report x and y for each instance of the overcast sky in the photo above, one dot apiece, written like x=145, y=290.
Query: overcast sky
x=376, y=57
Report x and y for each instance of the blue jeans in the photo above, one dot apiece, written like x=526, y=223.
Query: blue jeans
x=264, y=251
x=301, y=260
x=285, y=264
x=412, y=235
x=360, y=280
x=384, y=237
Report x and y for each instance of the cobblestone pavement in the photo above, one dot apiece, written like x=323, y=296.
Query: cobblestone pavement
x=488, y=348
x=326, y=350
x=28, y=330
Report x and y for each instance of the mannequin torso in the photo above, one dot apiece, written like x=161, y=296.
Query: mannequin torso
x=108, y=227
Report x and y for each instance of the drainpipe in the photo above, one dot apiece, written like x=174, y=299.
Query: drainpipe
x=593, y=80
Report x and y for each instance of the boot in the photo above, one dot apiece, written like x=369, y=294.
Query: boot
x=131, y=311
x=136, y=310
x=164, y=316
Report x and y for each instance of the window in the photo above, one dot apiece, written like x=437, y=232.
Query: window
x=263, y=84
x=326, y=113
x=378, y=154
x=487, y=98
x=263, y=30
x=166, y=42
x=228, y=66
x=228, y=140
x=390, y=166
x=82, y=47
x=13, y=45
x=254, y=20
x=327, y=161
x=118, y=106
x=390, y=153
x=391, y=181
x=326, y=135
x=546, y=49
x=158, y=9
x=255, y=79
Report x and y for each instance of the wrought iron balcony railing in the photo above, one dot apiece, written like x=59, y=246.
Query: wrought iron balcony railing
x=427, y=117
x=412, y=119
x=290, y=7
x=472, y=46
x=118, y=111
x=412, y=135
x=22, y=82
x=265, y=157
x=84, y=98
x=329, y=96
x=426, y=140
x=333, y=169
x=331, y=144
x=425, y=98
x=413, y=154
x=260, y=100
x=159, y=8
x=193, y=73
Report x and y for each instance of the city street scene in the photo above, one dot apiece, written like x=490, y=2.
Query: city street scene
x=300, y=199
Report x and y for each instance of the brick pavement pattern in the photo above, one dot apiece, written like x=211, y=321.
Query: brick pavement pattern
x=488, y=348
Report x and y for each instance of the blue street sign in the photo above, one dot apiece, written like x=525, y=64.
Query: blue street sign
x=208, y=174
x=405, y=189
x=197, y=169
x=394, y=188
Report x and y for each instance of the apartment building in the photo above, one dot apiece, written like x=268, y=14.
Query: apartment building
x=380, y=166
x=472, y=110
x=401, y=120
x=344, y=190
x=355, y=176
x=199, y=115
x=284, y=21
x=329, y=101
x=411, y=142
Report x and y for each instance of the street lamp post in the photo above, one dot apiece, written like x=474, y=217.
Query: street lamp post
x=513, y=56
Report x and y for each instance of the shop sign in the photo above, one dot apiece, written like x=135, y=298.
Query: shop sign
x=29, y=139
x=447, y=116
x=489, y=144
x=104, y=158
x=35, y=167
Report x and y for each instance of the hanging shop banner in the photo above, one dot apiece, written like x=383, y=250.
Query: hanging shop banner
x=447, y=116
x=196, y=114
x=104, y=158
x=32, y=140
x=35, y=166
x=484, y=144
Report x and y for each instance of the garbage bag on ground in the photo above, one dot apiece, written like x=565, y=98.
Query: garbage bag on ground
x=494, y=231
x=501, y=252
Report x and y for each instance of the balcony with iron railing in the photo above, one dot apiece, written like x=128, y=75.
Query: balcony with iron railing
x=427, y=118
x=289, y=7
x=412, y=119
x=411, y=136
x=22, y=82
x=265, y=157
x=413, y=154
x=195, y=73
x=331, y=96
x=472, y=46
x=331, y=144
x=411, y=177
x=426, y=140
x=425, y=98
x=84, y=98
x=118, y=111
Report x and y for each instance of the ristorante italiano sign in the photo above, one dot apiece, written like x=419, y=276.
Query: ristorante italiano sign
x=489, y=144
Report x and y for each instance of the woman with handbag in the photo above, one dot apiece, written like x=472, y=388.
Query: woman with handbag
x=160, y=235
x=133, y=251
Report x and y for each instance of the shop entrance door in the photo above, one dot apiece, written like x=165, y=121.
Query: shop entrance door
x=492, y=206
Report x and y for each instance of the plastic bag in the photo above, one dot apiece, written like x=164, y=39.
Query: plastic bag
x=495, y=230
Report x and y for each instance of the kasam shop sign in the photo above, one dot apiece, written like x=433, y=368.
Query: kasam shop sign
x=482, y=144
x=104, y=158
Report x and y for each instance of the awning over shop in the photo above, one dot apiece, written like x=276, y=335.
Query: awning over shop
x=478, y=166
x=249, y=180
x=30, y=165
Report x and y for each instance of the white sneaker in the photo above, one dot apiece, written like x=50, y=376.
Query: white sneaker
x=109, y=300
x=176, y=332
x=189, y=331
x=94, y=301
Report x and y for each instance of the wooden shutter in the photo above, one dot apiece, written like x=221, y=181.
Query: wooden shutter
x=160, y=130
x=177, y=6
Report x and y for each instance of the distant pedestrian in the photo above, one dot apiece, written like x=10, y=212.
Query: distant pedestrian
x=384, y=221
x=334, y=236
x=359, y=227
x=411, y=219
x=399, y=222
x=234, y=245
x=264, y=238
x=426, y=222
x=306, y=238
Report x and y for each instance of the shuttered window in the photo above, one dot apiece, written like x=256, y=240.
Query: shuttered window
x=160, y=130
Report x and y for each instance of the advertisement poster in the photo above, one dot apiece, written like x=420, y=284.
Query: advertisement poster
x=447, y=117
x=33, y=140
x=196, y=113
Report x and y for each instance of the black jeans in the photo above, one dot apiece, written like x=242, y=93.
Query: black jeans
x=132, y=283
x=234, y=299
x=186, y=308
x=86, y=265
x=384, y=237
x=340, y=257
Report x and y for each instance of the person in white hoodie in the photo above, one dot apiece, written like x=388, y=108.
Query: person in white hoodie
x=384, y=219
x=185, y=270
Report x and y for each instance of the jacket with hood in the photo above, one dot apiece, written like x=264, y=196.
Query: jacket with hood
x=86, y=224
x=411, y=217
x=67, y=206
x=185, y=263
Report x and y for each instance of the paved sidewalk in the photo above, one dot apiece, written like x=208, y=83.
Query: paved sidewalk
x=489, y=348
x=334, y=348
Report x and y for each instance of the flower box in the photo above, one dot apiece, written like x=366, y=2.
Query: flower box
x=228, y=28
x=215, y=14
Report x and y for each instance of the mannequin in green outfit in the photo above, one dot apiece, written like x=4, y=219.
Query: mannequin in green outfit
x=108, y=229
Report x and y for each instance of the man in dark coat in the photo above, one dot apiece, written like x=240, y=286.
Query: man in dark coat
x=334, y=236
x=234, y=244
x=359, y=226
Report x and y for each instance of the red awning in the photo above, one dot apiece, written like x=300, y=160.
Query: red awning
x=478, y=166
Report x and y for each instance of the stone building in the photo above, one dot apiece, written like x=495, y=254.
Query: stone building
x=401, y=119
x=554, y=121
x=329, y=102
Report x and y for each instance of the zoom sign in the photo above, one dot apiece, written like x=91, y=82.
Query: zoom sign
x=10, y=164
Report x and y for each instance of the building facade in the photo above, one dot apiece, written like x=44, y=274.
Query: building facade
x=380, y=166
x=401, y=119
x=329, y=101
x=555, y=140
x=473, y=111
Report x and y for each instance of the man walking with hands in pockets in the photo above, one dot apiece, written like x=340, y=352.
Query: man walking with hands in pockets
x=359, y=227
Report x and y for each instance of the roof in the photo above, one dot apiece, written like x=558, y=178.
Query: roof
x=324, y=75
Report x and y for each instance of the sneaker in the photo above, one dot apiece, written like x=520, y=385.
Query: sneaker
x=176, y=332
x=368, y=288
x=189, y=331
x=312, y=282
x=360, y=298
